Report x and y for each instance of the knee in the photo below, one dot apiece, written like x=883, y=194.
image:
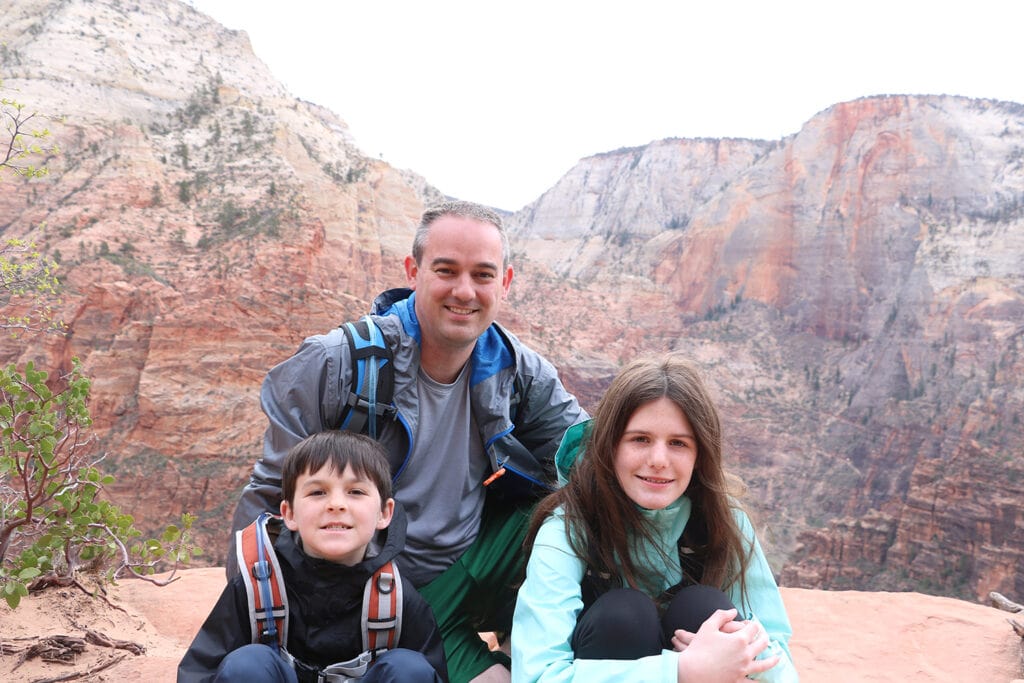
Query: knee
x=255, y=663
x=626, y=608
x=401, y=664
x=621, y=624
x=692, y=606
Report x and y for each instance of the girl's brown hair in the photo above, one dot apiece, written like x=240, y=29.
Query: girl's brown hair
x=601, y=519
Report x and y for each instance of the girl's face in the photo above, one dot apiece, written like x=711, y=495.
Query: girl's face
x=656, y=454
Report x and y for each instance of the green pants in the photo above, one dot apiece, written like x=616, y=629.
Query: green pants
x=478, y=592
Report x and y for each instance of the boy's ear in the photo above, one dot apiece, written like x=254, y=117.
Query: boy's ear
x=288, y=514
x=386, y=513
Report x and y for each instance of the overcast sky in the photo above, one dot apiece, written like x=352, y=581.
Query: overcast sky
x=494, y=102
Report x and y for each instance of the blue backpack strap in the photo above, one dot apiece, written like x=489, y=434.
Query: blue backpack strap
x=373, y=379
x=264, y=588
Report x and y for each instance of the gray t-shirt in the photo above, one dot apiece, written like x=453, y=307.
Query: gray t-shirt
x=441, y=487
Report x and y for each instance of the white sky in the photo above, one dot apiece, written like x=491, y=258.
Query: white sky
x=494, y=102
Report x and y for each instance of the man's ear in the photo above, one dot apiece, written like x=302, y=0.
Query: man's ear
x=386, y=513
x=288, y=514
x=411, y=270
x=506, y=282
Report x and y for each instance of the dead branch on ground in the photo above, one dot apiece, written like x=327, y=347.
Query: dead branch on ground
x=1004, y=603
x=75, y=675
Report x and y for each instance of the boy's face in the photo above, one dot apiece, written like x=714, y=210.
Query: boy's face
x=336, y=515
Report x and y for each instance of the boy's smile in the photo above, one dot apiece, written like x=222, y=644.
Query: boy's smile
x=336, y=515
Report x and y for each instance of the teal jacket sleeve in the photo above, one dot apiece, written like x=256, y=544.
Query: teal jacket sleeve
x=763, y=602
x=549, y=603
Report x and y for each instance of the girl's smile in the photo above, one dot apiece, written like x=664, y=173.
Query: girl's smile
x=655, y=457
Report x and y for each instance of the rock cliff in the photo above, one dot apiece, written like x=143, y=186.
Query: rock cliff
x=854, y=291
x=205, y=221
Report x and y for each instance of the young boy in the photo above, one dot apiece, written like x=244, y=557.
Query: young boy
x=336, y=498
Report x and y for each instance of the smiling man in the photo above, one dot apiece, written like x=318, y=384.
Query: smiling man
x=476, y=419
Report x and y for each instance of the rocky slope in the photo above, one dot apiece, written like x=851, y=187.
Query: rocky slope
x=205, y=221
x=854, y=291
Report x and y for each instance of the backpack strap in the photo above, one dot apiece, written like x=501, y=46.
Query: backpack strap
x=264, y=589
x=382, y=609
x=373, y=379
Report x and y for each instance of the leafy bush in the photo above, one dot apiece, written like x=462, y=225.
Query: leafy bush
x=53, y=524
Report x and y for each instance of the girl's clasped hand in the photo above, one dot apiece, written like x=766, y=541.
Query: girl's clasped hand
x=723, y=650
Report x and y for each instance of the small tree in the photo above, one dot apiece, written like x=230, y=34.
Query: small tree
x=28, y=279
x=23, y=139
x=28, y=288
x=53, y=522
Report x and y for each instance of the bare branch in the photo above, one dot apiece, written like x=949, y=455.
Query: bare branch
x=127, y=565
x=1004, y=603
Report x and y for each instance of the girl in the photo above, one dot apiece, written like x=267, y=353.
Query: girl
x=643, y=567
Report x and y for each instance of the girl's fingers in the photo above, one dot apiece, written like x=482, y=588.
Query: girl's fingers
x=681, y=640
x=759, y=665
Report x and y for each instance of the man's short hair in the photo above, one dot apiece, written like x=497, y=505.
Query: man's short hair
x=460, y=209
x=338, y=449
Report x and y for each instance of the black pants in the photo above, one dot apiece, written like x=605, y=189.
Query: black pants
x=624, y=623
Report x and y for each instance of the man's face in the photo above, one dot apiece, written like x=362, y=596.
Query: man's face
x=460, y=283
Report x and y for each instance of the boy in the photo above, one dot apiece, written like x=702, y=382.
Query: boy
x=336, y=490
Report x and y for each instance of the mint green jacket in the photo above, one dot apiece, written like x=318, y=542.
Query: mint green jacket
x=550, y=600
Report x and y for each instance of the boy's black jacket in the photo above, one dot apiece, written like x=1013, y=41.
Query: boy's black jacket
x=325, y=603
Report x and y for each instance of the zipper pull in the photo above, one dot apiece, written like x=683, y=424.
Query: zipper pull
x=498, y=473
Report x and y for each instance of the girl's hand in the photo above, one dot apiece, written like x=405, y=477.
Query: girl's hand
x=720, y=652
x=682, y=639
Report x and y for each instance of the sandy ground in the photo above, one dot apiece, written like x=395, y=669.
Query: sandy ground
x=838, y=636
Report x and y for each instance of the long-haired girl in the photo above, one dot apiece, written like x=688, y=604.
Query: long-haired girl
x=643, y=567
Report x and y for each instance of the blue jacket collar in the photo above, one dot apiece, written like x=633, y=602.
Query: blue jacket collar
x=493, y=350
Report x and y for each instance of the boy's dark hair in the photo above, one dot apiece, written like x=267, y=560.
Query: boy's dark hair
x=339, y=449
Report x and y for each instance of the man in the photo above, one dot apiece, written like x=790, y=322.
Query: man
x=479, y=417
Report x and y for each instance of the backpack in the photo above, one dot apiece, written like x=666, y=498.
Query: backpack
x=373, y=379
x=373, y=383
x=268, y=601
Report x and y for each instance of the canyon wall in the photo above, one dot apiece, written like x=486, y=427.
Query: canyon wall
x=854, y=291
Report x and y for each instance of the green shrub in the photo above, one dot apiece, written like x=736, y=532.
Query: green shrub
x=53, y=522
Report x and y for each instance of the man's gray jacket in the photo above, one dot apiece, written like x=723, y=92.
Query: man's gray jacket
x=519, y=405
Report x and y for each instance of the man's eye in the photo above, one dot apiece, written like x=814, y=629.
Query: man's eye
x=485, y=276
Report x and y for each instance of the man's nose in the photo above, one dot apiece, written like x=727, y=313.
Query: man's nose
x=462, y=288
